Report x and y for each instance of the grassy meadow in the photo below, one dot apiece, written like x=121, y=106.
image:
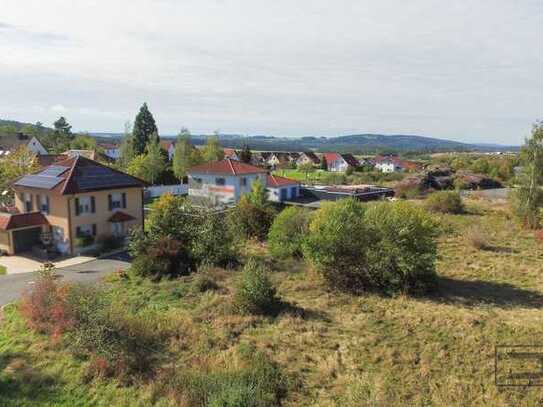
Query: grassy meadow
x=333, y=349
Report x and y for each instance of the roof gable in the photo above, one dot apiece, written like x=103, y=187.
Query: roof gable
x=226, y=167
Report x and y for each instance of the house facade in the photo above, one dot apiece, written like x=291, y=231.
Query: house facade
x=225, y=181
x=70, y=203
x=9, y=144
x=340, y=162
x=231, y=154
x=111, y=150
x=308, y=158
x=281, y=189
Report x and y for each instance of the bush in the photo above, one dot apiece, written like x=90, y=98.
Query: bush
x=251, y=221
x=288, y=232
x=255, y=293
x=476, y=238
x=445, y=202
x=214, y=245
x=118, y=344
x=203, y=282
x=83, y=241
x=45, y=307
x=165, y=257
x=388, y=247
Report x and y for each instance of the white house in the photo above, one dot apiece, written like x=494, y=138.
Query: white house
x=110, y=150
x=388, y=166
x=10, y=143
x=231, y=153
x=282, y=189
x=224, y=182
x=340, y=162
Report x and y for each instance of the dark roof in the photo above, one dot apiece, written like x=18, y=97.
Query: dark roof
x=13, y=141
x=349, y=158
x=226, y=167
x=312, y=156
x=78, y=175
x=120, y=217
x=22, y=220
x=274, y=181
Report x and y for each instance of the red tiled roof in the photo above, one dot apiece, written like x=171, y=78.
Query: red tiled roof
x=229, y=152
x=22, y=220
x=274, y=181
x=331, y=157
x=226, y=167
x=120, y=217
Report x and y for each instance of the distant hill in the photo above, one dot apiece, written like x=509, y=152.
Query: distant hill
x=355, y=143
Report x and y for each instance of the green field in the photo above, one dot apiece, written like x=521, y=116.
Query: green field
x=335, y=349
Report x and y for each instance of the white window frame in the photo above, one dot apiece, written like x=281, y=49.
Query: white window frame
x=116, y=200
x=85, y=205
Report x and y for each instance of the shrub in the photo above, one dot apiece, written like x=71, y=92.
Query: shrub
x=445, y=202
x=214, y=244
x=251, y=221
x=165, y=257
x=388, y=247
x=288, y=232
x=45, y=307
x=83, y=241
x=476, y=238
x=203, y=282
x=118, y=344
x=255, y=293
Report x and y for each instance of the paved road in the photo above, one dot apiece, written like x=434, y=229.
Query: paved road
x=12, y=286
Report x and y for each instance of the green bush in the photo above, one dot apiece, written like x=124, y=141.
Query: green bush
x=109, y=242
x=255, y=293
x=288, y=231
x=387, y=247
x=445, y=202
x=203, y=282
x=248, y=220
x=83, y=241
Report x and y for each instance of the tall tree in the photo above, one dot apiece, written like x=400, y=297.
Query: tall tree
x=213, y=151
x=246, y=154
x=324, y=164
x=182, y=154
x=63, y=127
x=126, y=149
x=155, y=161
x=528, y=197
x=20, y=162
x=144, y=127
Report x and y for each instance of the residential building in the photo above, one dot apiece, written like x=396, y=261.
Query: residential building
x=281, y=189
x=340, y=162
x=231, y=154
x=110, y=150
x=8, y=144
x=308, y=157
x=169, y=147
x=393, y=163
x=70, y=203
x=225, y=181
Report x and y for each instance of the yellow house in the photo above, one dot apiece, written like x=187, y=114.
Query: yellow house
x=70, y=204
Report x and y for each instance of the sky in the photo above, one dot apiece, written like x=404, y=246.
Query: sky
x=463, y=70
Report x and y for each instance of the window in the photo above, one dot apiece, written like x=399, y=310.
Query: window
x=117, y=200
x=86, y=230
x=243, y=181
x=195, y=183
x=220, y=181
x=84, y=204
x=58, y=234
x=27, y=200
x=44, y=204
x=284, y=194
x=117, y=229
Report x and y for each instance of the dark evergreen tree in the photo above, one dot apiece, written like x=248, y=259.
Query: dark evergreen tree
x=144, y=127
x=63, y=127
x=246, y=154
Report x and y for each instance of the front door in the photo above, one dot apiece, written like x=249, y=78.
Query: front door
x=117, y=229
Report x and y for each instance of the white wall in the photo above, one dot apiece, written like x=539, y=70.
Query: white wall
x=232, y=190
x=159, y=190
x=337, y=165
x=274, y=194
x=112, y=153
x=36, y=147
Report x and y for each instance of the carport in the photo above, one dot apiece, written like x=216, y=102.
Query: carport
x=20, y=232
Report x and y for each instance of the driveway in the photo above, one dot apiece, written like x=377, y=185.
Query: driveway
x=12, y=286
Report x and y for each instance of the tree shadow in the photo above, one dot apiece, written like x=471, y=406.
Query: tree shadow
x=477, y=292
x=20, y=383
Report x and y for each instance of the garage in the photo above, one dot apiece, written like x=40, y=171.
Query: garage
x=25, y=239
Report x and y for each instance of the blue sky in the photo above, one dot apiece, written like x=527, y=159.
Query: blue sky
x=464, y=70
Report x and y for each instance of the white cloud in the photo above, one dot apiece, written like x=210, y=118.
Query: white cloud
x=465, y=70
x=58, y=109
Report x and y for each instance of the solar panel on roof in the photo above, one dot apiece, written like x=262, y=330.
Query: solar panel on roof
x=89, y=178
x=53, y=170
x=38, y=181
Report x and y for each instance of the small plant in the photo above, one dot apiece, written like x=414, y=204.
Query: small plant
x=47, y=271
x=109, y=242
x=476, y=238
x=83, y=241
x=203, y=282
x=445, y=202
x=255, y=293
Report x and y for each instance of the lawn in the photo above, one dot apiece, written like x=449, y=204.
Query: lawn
x=301, y=176
x=335, y=349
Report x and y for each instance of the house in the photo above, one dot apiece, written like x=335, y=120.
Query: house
x=110, y=150
x=282, y=189
x=225, y=181
x=278, y=159
x=90, y=154
x=10, y=143
x=340, y=162
x=169, y=147
x=231, y=154
x=308, y=158
x=68, y=204
x=393, y=163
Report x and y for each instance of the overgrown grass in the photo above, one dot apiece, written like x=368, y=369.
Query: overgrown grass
x=331, y=349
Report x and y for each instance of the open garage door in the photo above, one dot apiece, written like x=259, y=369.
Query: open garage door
x=24, y=240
